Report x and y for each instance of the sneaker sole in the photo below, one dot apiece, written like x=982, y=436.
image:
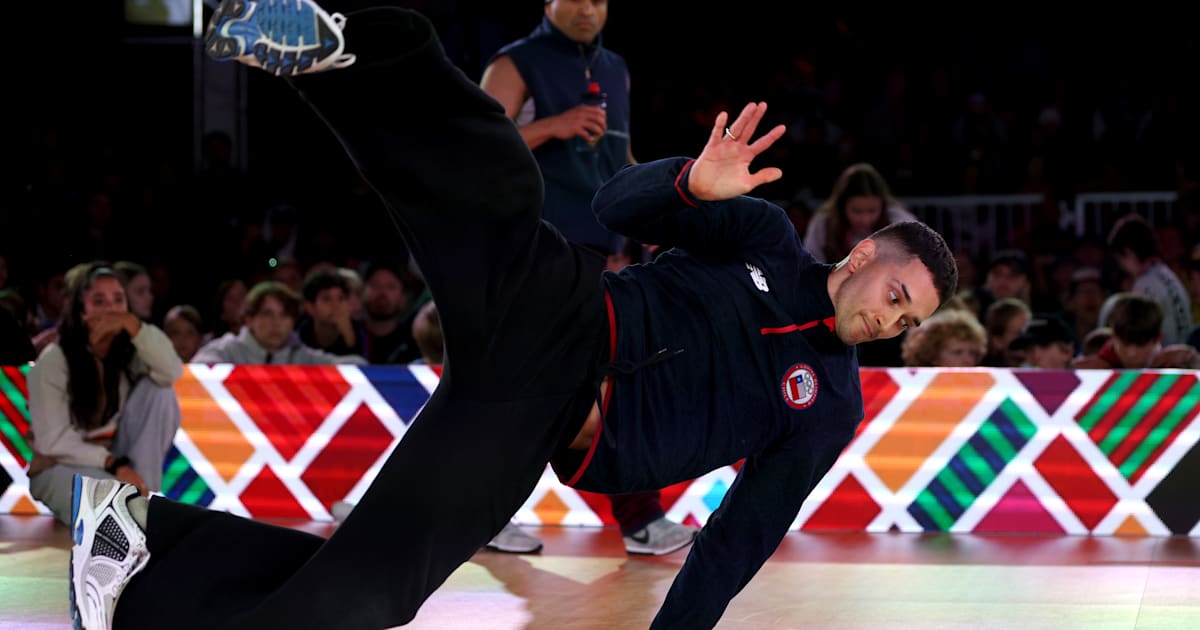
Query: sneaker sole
x=235, y=32
x=649, y=551
x=77, y=538
x=514, y=549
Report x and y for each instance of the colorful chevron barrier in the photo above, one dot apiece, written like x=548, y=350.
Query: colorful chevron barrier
x=1022, y=451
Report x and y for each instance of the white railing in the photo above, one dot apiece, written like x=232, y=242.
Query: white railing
x=1094, y=213
x=979, y=224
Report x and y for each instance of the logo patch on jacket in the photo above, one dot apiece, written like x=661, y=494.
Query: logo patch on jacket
x=799, y=386
x=760, y=281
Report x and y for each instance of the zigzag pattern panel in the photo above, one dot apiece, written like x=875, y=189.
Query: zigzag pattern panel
x=1089, y=452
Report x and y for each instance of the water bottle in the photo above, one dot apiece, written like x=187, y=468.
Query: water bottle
x=592, y=96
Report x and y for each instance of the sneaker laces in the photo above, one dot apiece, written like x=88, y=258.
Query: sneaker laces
x=344, y=59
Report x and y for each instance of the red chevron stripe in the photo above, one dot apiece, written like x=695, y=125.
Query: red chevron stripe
x=1154, y=455
x=1154, y=416
x=1121, y=407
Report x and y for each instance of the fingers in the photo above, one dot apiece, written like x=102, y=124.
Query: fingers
x=766, y=176
x=718, y=129
x=756, y=115
x=739, y=126
x=767, y=140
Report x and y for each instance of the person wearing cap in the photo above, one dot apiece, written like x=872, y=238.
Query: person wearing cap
x=1081, y=312
x=1047, y=343
x=1007, y=277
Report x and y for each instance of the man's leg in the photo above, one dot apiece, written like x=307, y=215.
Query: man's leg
x=523, y=319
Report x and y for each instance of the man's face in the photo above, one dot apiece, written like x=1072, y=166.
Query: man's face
x=329, y=305
x=384, y=297
x=883, y=295
x=271, y=325
x=1135, y=356
x=580, y=20
x=1087, y=299
x=1052, y=356
x=1006, y=282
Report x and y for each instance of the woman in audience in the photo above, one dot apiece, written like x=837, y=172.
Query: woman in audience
x=101, y=398
x=860, y=204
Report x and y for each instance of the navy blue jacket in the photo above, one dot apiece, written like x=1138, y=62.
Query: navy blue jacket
x=724, y=351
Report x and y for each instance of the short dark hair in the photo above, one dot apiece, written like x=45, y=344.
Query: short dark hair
x=129, y=270
x=272, y=288
x=917, y=240
x=1133, y=232
x=1135, y=319
x=188, y=313
x=323, y=279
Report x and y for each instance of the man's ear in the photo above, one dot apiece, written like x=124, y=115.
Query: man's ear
x=862, y=254
x=310, y=309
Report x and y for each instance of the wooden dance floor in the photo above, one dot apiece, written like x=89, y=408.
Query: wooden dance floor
x=584, y=579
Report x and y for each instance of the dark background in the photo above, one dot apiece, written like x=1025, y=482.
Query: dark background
x=97, y=100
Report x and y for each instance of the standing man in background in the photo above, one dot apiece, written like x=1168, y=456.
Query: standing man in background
x=569, y=96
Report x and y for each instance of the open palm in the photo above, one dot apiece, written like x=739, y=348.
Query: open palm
x=723, y=169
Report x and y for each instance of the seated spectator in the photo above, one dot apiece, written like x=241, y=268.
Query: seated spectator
x=860, y=203
x=1133, y=243
x=326, y=323
x=1004, y=320
x=1007, y=277
x=227, y=311
x=1047, y=343
x=949, y=338
x=183, y=325
x=267, y=336
x=137, y=283
x=354, y=294
x=1136, y=343
x=427, y=333
x=101, y=398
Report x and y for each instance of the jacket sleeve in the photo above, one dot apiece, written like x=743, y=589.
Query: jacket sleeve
x=50, y=414
x=156, y=351
x=650, y=203
x=744, y=531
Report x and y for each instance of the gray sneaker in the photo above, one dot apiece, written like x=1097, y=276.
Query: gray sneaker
x=660, y=537
x=340, y=510
x=513, y=539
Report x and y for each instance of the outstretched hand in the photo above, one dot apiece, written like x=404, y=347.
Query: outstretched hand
x=723, y=169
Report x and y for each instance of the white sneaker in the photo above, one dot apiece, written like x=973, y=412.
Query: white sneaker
x=513, y=539
x=109, y=549
x=660, y=537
